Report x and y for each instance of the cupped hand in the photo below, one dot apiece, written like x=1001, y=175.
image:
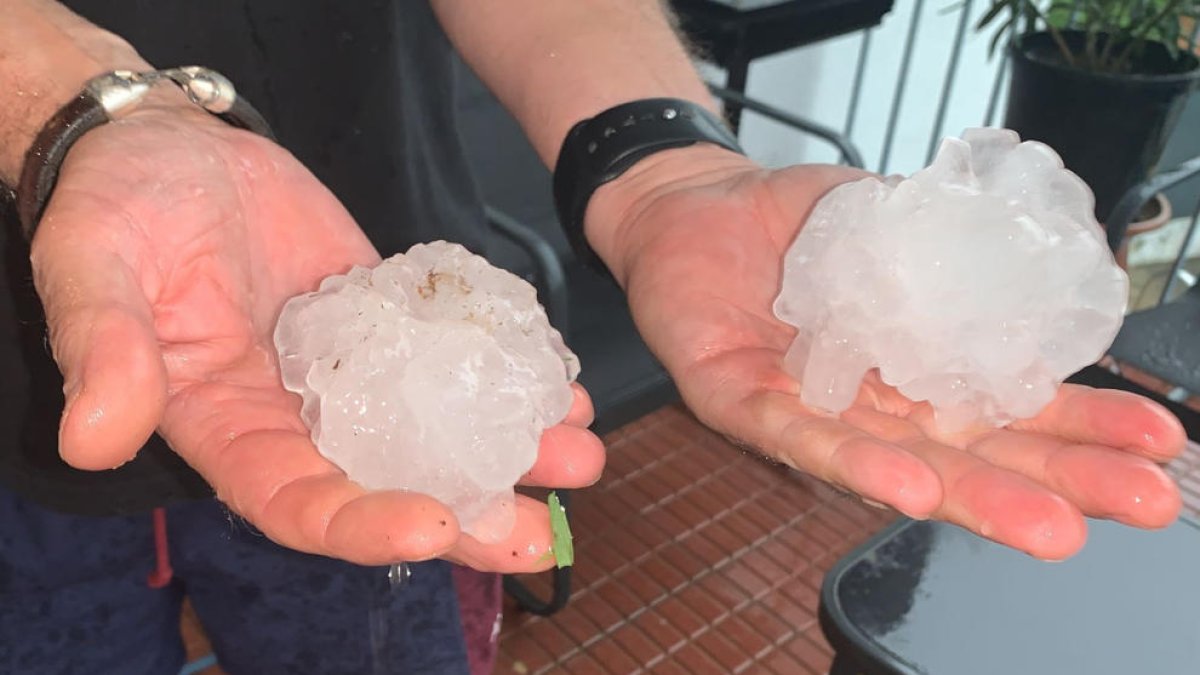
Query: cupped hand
x=697, y=238
x=164, y=257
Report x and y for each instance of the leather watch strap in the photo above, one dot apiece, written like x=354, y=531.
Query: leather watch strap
x=600, y=149
x=85, y=112
x=46, y=155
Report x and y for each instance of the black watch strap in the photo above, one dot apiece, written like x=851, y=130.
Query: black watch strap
x=45, y=156
x=85, y=112
x=599, y=149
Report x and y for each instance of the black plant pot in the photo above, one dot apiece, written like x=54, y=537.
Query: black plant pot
x=1110, y=129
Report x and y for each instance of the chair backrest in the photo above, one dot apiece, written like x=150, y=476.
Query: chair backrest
x=624, y=380
x=509, y=172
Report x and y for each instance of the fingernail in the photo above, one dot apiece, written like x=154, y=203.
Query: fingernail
x=871, y=502
x=913, y=515
x=902, y=493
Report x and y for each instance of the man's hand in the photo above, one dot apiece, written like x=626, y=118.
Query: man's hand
x=697, y=238
x=163, y=259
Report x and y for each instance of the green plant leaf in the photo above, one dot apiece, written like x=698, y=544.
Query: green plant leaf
x=562, y=546
x=1114, y=30
x=993, y=11
x=1001, y=33
x=1064, y=14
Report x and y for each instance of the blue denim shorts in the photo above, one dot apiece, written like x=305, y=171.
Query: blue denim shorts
x=74, y=598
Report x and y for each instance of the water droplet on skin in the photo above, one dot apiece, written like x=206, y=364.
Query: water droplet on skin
x=399, y=575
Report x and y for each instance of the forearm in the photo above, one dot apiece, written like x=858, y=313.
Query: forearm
x=555, y=63
x=47, y=54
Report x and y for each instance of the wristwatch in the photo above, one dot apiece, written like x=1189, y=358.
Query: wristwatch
x=105, y=98
x=600, y=149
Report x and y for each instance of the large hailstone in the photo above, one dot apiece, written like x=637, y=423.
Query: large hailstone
x=433, y=372
x=978, y=284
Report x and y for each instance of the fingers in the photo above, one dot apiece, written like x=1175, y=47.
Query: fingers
x=568, y=457
x=1102, y=482
x=1003, y=506
x=329, y=515
x=837, y=452
x=1029, y=490
x=382, y=528
x=525, y=550
x=103, y=339
x=249, y=444
x=994, y=501
x=1108, y=417
x=278, y=481
x=582, y=413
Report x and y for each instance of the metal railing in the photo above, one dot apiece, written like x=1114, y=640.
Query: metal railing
x=923, y=26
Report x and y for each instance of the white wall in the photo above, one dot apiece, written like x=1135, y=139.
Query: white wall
x=816, y=82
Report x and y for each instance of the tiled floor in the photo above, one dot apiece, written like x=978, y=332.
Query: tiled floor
x=693, y=557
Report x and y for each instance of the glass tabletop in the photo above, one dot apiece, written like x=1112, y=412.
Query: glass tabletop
x=932, y=598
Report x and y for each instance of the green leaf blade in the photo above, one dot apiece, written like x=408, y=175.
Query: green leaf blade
x=561, y=545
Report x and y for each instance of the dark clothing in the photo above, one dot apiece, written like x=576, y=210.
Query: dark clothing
x=361, y=92
x=74, y=599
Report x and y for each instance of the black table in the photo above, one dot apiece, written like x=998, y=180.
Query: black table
x=732, y=33
x=930, y=598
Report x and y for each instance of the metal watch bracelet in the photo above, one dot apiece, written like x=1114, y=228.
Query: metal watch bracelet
x=105, y=98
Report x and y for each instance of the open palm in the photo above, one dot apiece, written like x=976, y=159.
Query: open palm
x=163, y=259
x=702, y=269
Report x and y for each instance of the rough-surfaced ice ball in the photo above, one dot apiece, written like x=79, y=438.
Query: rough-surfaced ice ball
x=433, y=372
x=977, y=284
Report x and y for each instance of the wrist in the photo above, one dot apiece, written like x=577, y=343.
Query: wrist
x=615, y=208
x=47, y=55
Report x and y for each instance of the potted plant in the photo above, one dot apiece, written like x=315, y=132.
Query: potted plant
x=1103, y=82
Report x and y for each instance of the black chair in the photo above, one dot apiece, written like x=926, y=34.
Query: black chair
x=733, y=33
x=1160, y=341
x=1163, y=341
x=623, y=378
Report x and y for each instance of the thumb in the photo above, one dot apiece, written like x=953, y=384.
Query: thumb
x=103, y=339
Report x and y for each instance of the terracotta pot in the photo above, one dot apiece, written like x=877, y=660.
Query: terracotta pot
x=1156, y=218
